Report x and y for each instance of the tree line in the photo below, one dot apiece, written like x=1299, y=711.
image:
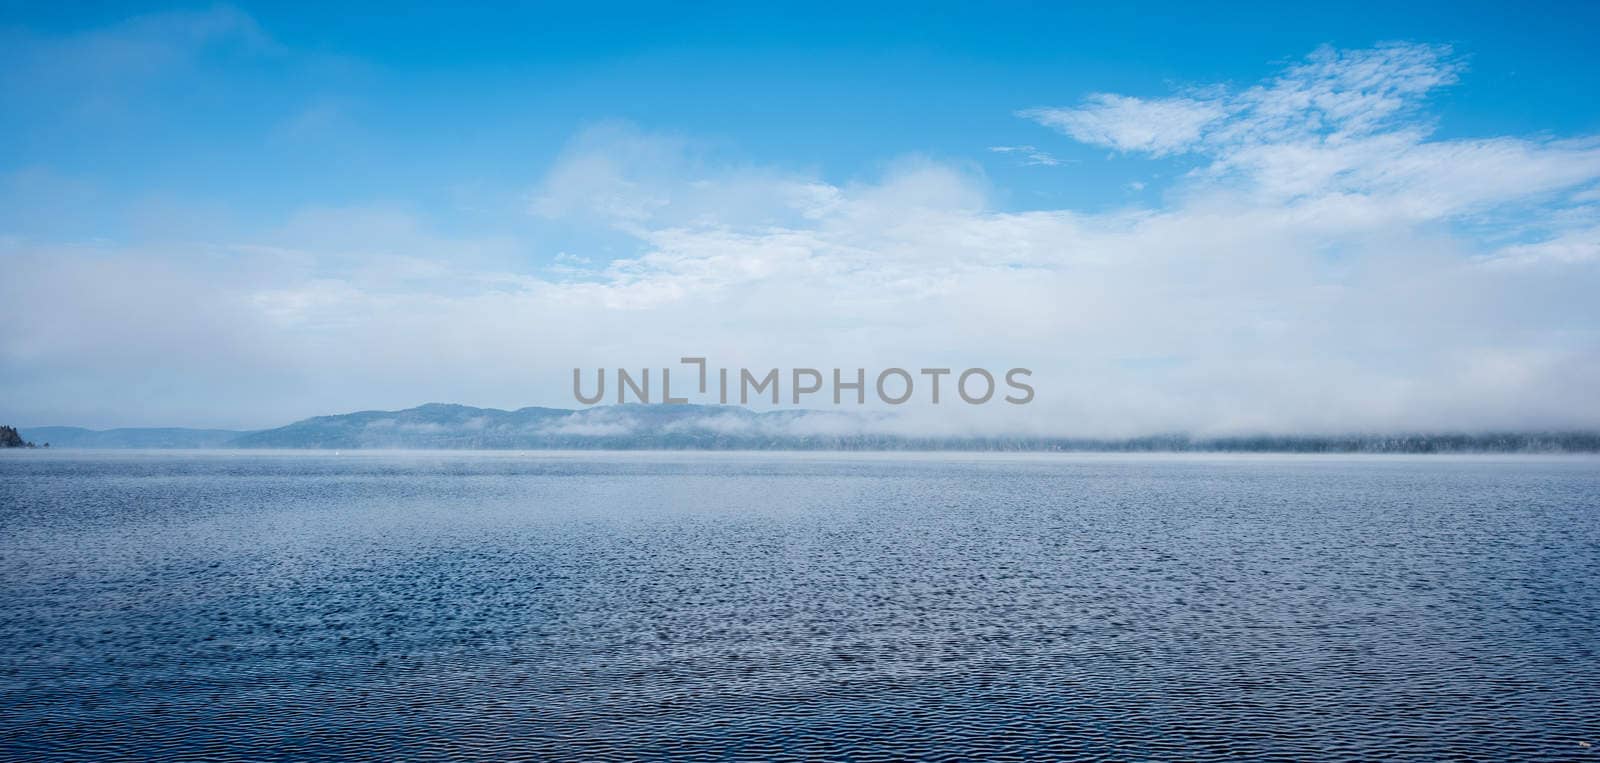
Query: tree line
x=11, y=438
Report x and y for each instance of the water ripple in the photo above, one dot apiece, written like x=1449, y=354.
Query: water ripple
x=729, y=607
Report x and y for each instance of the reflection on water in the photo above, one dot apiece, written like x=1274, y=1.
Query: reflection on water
x=723, y=606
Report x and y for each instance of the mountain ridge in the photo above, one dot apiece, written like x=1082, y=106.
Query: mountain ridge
x=452, y=426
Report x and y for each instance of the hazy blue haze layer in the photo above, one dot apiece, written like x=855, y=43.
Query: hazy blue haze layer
x=294, y=606
x=442, y=426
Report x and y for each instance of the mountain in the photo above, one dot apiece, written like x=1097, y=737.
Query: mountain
x=435, y=425
x=723, y=427
x=147, y=437
x=440, y=425
x=726, y=427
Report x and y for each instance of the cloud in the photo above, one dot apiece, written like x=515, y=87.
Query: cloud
x=1327, y=265
x=615, y=174
x=1030, y=156
x=1334, y=96
x=1342, y=133
x=1573, y=248
x=1156, y=126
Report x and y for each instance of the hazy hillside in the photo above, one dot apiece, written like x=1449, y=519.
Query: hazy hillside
x=713, y=427
x=145, y=437
x=710, y=427
x=438, y=425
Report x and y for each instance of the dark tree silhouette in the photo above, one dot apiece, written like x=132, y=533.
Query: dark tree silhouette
x=10, y=438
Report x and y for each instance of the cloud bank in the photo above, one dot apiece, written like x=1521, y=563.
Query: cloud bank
x=1325, y=263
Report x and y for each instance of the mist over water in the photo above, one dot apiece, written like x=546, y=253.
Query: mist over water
x=784, y=606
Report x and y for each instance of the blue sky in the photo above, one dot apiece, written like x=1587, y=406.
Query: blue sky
x=430, y=105
x=297, y=171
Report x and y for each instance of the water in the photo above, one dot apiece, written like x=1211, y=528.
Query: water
x=236, y=606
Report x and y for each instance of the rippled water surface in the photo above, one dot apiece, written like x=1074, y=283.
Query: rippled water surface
x=233, y=606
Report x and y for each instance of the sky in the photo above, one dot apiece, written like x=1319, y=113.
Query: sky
x=1273, y=218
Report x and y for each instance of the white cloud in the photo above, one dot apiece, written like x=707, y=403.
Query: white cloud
x=1156, y=126
x=1031, y=156
x=1333, y=96
x=1329, y=266
x=1342, y=129
x=1577, y=247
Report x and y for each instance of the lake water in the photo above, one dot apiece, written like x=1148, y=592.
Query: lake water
x=407, y=606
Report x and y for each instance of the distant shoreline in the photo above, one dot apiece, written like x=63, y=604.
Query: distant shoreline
x=575, y=452
x=438, y=426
